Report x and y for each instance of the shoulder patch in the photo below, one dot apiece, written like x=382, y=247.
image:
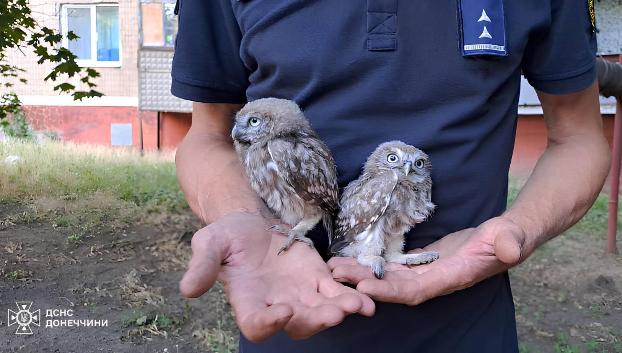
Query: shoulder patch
x=482, y=28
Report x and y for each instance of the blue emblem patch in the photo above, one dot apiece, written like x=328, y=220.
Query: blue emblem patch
x=482, y=27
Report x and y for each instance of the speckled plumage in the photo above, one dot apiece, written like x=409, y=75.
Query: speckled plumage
x=288, y=166
x=384, y=203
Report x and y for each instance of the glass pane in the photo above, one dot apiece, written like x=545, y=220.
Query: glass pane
x=153, y=32
x=107, y=33
x=79, y=21
x=170, y=24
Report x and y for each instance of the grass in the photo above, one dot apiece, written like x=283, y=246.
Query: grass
x=562, y=345
x=69, y=172
x=85, y=189
x=18, y=274
x=217, y=340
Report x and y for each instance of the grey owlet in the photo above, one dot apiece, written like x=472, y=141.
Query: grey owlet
x=385, y=202
x=288, y=166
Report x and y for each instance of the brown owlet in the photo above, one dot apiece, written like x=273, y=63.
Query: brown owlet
x=288, y=166
x=385, y=202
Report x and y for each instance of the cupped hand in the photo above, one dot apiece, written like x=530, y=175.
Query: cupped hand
x=466, y=257
x=294, y=291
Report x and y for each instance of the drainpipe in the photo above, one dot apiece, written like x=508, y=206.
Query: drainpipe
x=614, y=174
x=142, y=143
x=610, y=84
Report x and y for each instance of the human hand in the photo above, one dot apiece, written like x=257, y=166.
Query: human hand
x=294, y=291
x=466, y=257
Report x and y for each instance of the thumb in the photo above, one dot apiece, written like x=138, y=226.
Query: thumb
x=509, y=246
x=208, y=253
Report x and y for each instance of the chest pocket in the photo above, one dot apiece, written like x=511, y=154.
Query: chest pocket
x=482, y=28
x=381, y=25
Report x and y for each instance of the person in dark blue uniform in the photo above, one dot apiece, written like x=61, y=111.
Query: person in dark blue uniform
x=441, y=75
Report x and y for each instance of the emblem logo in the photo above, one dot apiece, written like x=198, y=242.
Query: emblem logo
x=484, y=17
x=23, y=318
x=482, y=27
x=485, y=33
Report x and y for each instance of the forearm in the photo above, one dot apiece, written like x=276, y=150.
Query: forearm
x=208, y=169
x=567, y=178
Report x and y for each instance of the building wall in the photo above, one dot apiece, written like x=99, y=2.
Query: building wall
x=173, y=127
x=114, y=81
x=609, y=25
x=531, y=142
x=92, y=125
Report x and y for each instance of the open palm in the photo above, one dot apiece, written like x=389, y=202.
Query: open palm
x=466, y=257
x=294, y=291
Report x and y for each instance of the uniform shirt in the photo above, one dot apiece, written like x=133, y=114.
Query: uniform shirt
x=441, y=75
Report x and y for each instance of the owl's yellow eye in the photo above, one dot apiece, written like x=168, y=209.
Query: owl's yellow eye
x=392, y=158
x=419, y=163
x=254, y=121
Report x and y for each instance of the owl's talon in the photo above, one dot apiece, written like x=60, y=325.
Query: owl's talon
x=421, y=258
x=378, y=273
x=374, y=262
x=378, y=269
x=278, y=228
x=291, y=238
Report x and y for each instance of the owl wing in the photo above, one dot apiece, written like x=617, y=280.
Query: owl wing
x=363, y=202
x=307, y=166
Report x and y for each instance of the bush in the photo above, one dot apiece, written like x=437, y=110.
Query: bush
x=18, y=126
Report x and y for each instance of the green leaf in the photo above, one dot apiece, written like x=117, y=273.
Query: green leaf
x=64, y=87
x=72, y=36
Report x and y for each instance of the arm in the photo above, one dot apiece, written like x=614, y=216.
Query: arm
x=295, y=291
x=208, y=168
x=570, y=173
x=562, y=187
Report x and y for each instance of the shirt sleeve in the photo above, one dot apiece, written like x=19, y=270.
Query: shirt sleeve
x=560, y=58
x=206, y=65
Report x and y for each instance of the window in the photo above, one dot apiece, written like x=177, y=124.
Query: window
x=97, y=27
x=158, y=23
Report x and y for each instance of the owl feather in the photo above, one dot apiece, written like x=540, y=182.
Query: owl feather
x=386, y=201
x=288, y=166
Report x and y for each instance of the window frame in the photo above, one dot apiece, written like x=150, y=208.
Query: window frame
x=163, y=21
x=93, y=12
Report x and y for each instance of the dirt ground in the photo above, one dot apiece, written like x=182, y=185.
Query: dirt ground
x=125, y=274
x=568, y=295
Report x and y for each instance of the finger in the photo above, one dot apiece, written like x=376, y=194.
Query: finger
x=411, y=288
x=340, y=261
x=262, y=323
x=352, y=273
x=330, y=288
x=349, y=303
x=208, y=252
x=308, y=321
x=508, y=247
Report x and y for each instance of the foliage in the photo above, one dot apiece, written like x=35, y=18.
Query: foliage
x=18, y=31
x=18, y=126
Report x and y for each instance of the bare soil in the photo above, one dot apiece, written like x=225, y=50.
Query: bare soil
x=568, y=295
x=127, y=276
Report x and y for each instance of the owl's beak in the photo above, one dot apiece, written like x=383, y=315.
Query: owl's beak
x=236, y=134
x=407, y=166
